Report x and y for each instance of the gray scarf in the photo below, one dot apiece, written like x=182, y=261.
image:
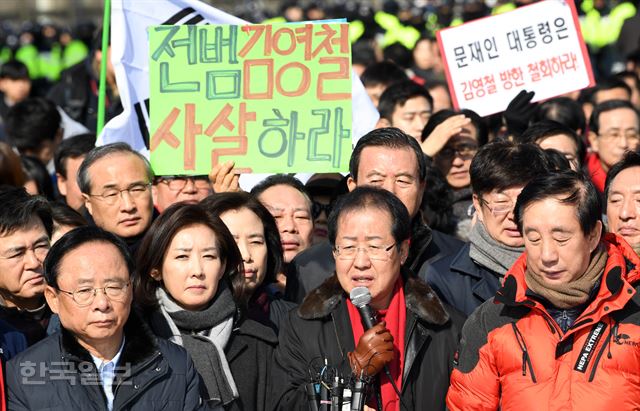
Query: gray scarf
x=489, y=253
x=204, y=334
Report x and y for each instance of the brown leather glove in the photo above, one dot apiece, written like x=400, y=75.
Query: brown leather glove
x=374, y=350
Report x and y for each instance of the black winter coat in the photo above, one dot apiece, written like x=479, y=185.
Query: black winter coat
x=57, y=374
x=321, y=328
x=310, y=268
x=249, y=353
x=77, y=94
x=460, y=282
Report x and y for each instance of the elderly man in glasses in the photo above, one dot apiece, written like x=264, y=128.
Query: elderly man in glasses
x=115, y=182
x=104, y=357
x=415, y=335
x=169, y=190
x=499, y=171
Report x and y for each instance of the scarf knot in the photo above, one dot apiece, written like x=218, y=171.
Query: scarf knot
x=576, y=291
x=205, y=334
x=489, y=253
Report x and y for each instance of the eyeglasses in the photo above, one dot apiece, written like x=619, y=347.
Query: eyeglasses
x=464, y=152
x=374, y=252
x=630, y=134
x=317, y=209
x=84, y=296
x=112, y=195
x=499, y=208
x=178, y=183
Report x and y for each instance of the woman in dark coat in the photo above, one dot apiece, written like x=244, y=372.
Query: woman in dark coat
x=185, y=263
x=255, y=231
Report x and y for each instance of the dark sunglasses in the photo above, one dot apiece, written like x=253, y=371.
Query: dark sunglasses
x=317, y=209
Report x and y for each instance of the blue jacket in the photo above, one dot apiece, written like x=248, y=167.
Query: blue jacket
x=58, y=374
x=12, y=341
x=459, y=281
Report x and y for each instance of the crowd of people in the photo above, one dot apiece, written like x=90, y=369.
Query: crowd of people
x=463, y=263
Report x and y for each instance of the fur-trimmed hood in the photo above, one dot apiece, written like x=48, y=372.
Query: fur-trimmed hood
x=419, y=298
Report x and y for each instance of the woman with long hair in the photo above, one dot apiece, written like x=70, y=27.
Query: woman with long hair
x=186, y=262
x=256, y=234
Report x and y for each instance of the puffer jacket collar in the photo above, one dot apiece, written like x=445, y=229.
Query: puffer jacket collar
x=141, y=362
x=419, y=298
x=621, y=273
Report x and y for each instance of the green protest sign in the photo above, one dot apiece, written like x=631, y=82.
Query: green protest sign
x=273, y=98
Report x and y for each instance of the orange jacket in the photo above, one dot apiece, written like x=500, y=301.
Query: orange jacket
x=513, y=354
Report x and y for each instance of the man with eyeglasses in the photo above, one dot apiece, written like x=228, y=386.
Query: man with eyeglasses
x=323, y=189
x=562, y=332
x=390, y=159
x=104, y=356
x=415, y=335
x=115, y=182
x=169, y=190
x=613, y=130
x=451, y=139
x=499, y=171
x=25, y=229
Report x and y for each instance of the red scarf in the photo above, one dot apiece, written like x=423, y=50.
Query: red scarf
x=597, y=173
x=396, y=317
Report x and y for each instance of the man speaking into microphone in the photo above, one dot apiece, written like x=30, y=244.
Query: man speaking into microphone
x=409, y=350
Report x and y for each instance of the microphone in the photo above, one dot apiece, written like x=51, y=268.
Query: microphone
x=336, y=395
x=312, y=397
x=357, y=395
x=361, y=297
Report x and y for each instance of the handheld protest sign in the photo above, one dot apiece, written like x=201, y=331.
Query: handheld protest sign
x=538, y=47
x=273, y=98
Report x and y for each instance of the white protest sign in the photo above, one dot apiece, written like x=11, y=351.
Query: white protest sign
x=537, y=47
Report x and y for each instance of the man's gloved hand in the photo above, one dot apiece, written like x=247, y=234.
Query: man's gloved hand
x=374, y=350
x=519, y=112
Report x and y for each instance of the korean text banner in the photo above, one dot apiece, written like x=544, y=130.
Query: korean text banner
x=537, y=48
x=273, y=98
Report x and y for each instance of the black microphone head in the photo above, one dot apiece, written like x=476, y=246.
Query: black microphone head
x=360, y=296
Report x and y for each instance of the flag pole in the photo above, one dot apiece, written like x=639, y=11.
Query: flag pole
x=102, y=90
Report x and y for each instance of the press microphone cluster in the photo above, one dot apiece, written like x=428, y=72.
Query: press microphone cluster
x=326, y=390
x=329, y=391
